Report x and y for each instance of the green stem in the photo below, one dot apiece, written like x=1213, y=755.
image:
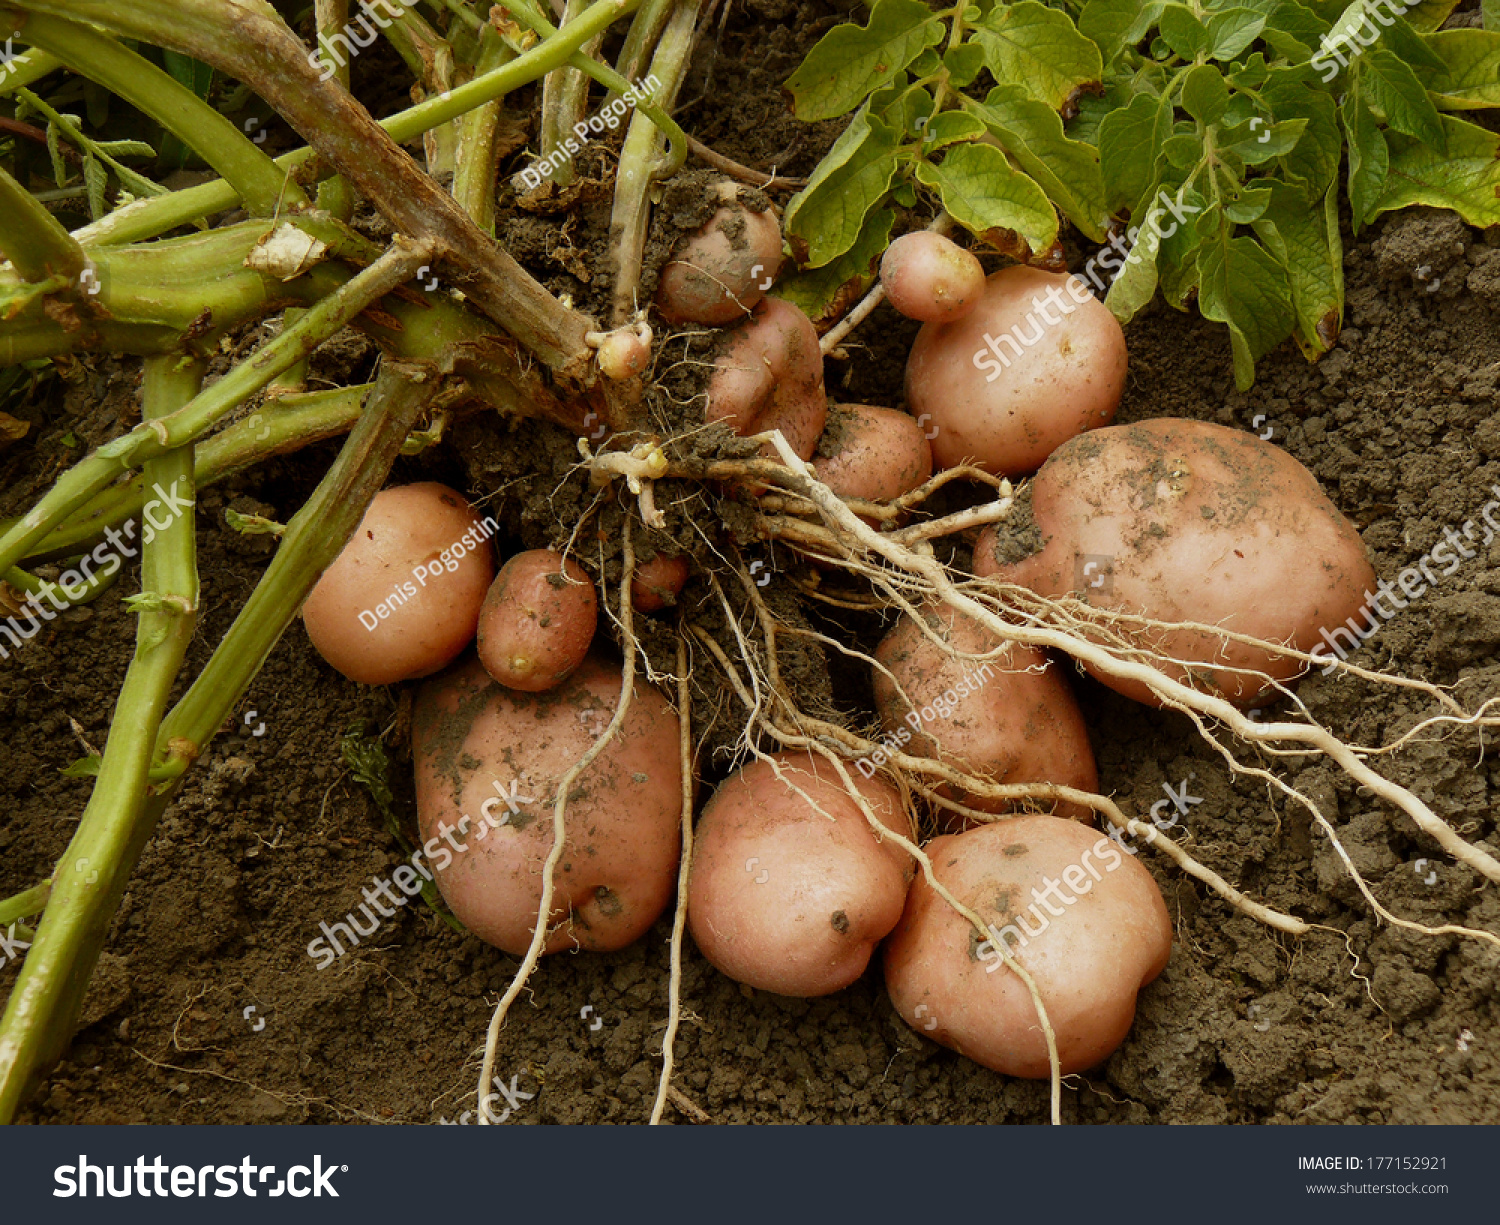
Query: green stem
x=32, y=239
x=155, y=437
x=91, y=877
x=645, y=32
x=88, y=585
x=565, y=93
x=476, y=153
x=282, y=426
x=641, y=163
x=27, y=70
x=251, y=173
x=23, y=904
x=315, y=536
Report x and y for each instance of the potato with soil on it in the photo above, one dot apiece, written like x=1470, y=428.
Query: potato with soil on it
x=931, y=278
x=872, y=453
x=1038, y=360
x=789, y=899
x=657, y=582
x=1070, y=906
x=720, y=271
x=1011, y=720
x=1185, y=521
x=403, y=598
x=538, y=620
x=488, y=762
x=769, y=376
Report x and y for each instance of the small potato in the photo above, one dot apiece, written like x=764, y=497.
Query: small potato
x=769, y=376
x=1011, y=720
x=789, y=899
x=872, y=453
x=488, y=763
x=1079, y=914
x=658, y=582
x=537, y=621
x=721, y=271
x=1185, y=521
x=1038, y=360
x=931, y=278
x=403, y=598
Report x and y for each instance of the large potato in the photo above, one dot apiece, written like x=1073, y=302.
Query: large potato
x=1185, y=521
x=481, y=750
x=721, y=270
x=1011, y=720
x=1038, y=360
x=403, y=598
x=1078, y=914
x=789, y=899
x=873, y=453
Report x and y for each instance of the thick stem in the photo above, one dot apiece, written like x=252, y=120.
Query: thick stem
x=91, y=877
x=32, y=239
x=476, y=150
x=565, y=95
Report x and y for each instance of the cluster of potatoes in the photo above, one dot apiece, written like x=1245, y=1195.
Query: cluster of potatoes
x=799, y=874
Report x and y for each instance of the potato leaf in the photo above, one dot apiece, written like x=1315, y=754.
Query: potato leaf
x=1031, y=45
x=1392, y=87
x=849, y=62
x=1470, y=76
x=1068, y=170
x=1242, y=285
x=825, y=218
x=1130, y=142
x=984, y=193
x=1304, y=236
x=823, y=292
x=1369, y=158
x=1467, y=180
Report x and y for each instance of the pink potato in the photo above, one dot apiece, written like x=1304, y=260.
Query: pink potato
x=403, y=598
x=658, y=582
x=873, y=453
x=769, y=376
x=1077, y=912
x=537, y=621
x=931, y=278
x=722, y=270
x=488, y=763
x=1186, y=521
x=1037, y=361
x=789, y=899
x=1009, y=720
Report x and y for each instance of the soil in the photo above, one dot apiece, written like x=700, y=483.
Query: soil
x=207, y=1007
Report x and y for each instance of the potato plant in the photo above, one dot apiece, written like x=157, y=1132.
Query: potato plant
x=610, y=683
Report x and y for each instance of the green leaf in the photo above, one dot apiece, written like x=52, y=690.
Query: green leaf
x=1205, y=93
x=1369, y=158
x=825, y=218
x=1135, y=284
x=1304, y=236
x=84, y=767
x=1130, y=142
x=1467, y=180
x=1231, y=30
x=1177, y=260
x=1490, y=11
x=849, y=63
x=963, y=63
x=986, y=195
x=1470, y=76
x=1392, y=87
x=1117, y=24
x=949, y=128
x=1040, y=48
x=1183, y=151
x=822, y=292
x=95, y=178
x=1249, y=203
x=1241, y=285
x=185, y=70
x=1314, y=162
x=1257, y=141
x=1183, y=32
x=1410, y=46
x=1068, y=170
x=1430, y=14
x=126, y=148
